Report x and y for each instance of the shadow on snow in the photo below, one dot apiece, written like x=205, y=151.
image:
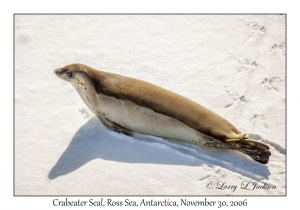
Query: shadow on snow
x=93, y=141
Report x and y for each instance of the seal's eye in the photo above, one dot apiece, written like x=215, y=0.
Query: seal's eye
x=69, y=74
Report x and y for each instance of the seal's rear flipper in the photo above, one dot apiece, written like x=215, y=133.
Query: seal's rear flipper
x=254, y=149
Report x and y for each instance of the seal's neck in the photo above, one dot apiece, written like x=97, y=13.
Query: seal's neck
x=86, y=90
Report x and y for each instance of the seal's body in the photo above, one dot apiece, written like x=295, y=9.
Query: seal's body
x=129, y=105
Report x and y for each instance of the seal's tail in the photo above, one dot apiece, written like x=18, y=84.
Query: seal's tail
x=254, y=149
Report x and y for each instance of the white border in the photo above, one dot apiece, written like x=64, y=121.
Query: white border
x=54, y=6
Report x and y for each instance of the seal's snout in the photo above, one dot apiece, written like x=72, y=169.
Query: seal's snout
x=58, y=71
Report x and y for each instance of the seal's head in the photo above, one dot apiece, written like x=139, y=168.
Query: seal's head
x=70, y=73
x=79, y=75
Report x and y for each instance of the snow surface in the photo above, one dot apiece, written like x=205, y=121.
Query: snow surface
x=231, y=64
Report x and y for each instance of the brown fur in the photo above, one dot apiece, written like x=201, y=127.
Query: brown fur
x=165, y=102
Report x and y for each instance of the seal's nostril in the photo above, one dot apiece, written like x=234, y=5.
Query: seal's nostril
x=55, y=71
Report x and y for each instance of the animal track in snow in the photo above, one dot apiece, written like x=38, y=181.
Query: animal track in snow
x=270, y=83
x=256, y=27
x=245, y=70
x=244, y=63
x=236, y=98
x=259, y=119
x=278, y=48
x=262, y=29
x=257, y=31
x=228, y=105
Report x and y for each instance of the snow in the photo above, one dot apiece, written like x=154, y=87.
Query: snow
x=231, y=64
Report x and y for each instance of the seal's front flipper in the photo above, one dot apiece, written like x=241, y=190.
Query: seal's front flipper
x=116, y=127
